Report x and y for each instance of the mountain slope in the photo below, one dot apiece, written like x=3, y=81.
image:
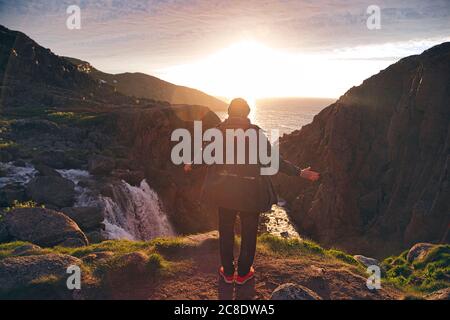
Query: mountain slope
x=384, y=151
x=33, y=76
x=145, y=86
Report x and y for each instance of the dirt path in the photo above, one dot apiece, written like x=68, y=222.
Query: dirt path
x=194, y=276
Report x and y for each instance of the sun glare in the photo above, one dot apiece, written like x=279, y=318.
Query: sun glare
x=252, y=70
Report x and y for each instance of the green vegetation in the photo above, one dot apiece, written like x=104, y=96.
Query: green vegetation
x=6, y=249
x=20, y=205
x=170, y=246
x=156, y=263
x=65, y=117
x=119, y=259
x=7, y=144
x=294, y=246
x=118, y=247
x=424, y=275
x=343, y=257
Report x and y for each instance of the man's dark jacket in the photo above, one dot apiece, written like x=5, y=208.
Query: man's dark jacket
x=241, y=186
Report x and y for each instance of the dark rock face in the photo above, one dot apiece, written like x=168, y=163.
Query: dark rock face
x=101, y=165
x=46, y=171
x=87, y=218
x=11, y=192
x=52, y=190
x=384, y=153
x=44, y=227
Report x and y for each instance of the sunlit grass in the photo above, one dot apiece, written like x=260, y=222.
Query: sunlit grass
x=426, y=275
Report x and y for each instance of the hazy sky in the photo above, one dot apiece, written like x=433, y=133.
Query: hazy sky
x=227, y=48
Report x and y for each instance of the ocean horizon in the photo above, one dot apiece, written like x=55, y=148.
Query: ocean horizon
x=284, y=114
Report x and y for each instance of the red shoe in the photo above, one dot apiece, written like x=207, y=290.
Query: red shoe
x=247, y=277
x=227, y=279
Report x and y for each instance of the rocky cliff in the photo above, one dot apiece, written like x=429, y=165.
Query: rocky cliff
x=384, y=152
x=55, y=116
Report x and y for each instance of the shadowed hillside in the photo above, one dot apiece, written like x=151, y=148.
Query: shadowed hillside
x=141, y=85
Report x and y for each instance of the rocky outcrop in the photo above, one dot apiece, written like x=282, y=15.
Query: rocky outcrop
x=17, y=272
x=419, y=251
x=87, y=218
x=383, y=151
x=367, y=261
x=291, y=291
x=43, y=227
x=10, y=193
x=101, y=165
x=52, y=190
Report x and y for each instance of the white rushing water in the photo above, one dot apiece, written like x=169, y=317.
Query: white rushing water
x=12, y=174
x=278, y=223
x=134, y=213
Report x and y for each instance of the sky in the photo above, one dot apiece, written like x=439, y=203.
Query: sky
x=251, y=48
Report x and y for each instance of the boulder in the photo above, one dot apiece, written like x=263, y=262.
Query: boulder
x=87, y=218
x=46, y=171
x=101, y=165
x=11, y=192
x=95, y=237
x=43, y=227
x=16, y=272
x=52, y=190
x=419, y=251
x=291, y=291
x=366, y=260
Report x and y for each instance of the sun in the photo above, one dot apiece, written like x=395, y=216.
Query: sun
x=253, y=70
x=242, y=67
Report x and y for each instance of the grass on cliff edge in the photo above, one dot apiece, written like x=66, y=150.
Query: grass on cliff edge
x=423, y=276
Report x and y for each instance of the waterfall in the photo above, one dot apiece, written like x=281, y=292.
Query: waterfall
x=134, y=213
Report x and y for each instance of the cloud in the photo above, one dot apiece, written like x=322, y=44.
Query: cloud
x=148, y=35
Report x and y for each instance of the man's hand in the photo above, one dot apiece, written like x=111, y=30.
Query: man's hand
x=187, y=168
x=307, y=173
